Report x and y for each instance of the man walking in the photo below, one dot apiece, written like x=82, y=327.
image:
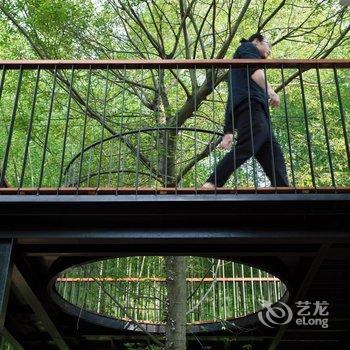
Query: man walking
x=247, y=112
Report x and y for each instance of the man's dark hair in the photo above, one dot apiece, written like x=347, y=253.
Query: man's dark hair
x=258, y=36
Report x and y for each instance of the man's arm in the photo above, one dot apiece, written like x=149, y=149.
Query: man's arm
x=259, y=77
x=227, y=139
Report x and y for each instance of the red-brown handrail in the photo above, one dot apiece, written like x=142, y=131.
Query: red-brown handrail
x=198, y=63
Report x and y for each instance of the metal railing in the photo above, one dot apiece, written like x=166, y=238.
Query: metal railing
x=134, y=289
x=153, y=125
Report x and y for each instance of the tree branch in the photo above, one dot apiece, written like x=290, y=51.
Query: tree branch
x=233, y=31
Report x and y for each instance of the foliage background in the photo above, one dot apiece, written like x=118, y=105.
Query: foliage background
x=121, y=101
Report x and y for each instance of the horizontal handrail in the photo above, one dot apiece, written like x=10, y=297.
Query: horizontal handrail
x=166, y=63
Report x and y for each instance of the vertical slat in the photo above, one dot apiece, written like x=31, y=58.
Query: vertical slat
x=224, y=289
x=102, y=129
x=165, y=142
x=158, y=144
x=42, y=167
x=30, y=127
x=2, y=81
x=87, y=178
x=110, y=163
x=213, y=116
x=213, y=289
x=325, y=128
x=195, y=133
x=235, y=299
x=268, y=288
x=121, y=132
x=261, y=290
x=251, y=129
x=182, y=131
x=66, y=126
x=11, y=127
x=253, y=291
x=275, y=290
x=342, y=115
x=308, y=135
x=177, y=135
x=233, y=131
x=137, y=170
x=244, y=290
x=288, y=127
x=274, y=180
x=84, y=128
x=148, y=303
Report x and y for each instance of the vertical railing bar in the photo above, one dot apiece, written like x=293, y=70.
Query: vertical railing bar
x=12, y=123
x=234, y=133
x=251, y=130
x=31, y=168
x=84, y=127
x=342, y=115
x=195, y=131
x=224, y=289
x=30, y=127
x=176, y=129
x=70, y=170
x=47, y=129
x=274, y=179
x=235, y=301
x=308, y=139
x=252, y=286
x=138, y=139
x=121, y=131
x=213, y=116
x=66, y=126
x=89, y=168
x=268, y=288
x=102, y=129
x=244, y=290
x=3, y=74
x=182, y=136
x=110, y=163
x=2, y=81
x=166, y=140
x=201, y=309
x=288, y=127
x=261, y=291
x=213, y=289
x=330, y=163
x=159, y=158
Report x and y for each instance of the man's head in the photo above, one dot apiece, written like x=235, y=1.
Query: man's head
x=261, y=43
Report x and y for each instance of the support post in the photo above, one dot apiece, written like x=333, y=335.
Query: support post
x=5, y=274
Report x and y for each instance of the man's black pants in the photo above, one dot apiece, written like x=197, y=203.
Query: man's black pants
x=258, y=141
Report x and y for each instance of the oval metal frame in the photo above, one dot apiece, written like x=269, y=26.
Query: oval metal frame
x=239, y=323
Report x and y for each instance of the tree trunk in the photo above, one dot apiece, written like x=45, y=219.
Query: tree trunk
x=176, y=303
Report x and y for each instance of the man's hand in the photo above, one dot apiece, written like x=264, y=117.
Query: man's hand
x=226, y=142
x=274, y=99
